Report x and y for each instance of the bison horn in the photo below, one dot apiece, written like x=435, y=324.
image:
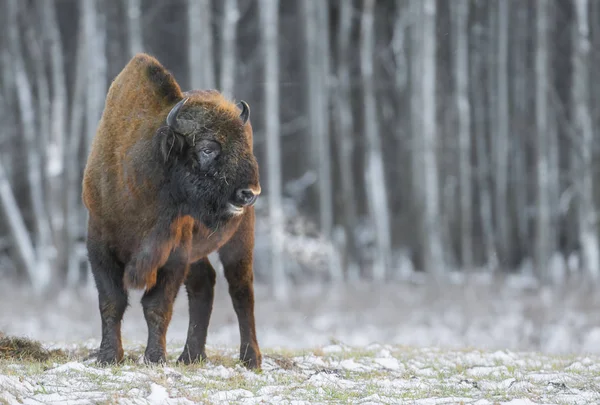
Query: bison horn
x=172, y=117
x=245, y=114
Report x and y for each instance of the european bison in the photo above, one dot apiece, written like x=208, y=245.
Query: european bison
x=171, y=177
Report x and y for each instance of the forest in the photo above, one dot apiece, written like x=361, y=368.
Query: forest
x=394, y=137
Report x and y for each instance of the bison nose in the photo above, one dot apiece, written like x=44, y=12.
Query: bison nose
x=245, y=196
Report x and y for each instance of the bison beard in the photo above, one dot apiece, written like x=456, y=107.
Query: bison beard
x=171, y=177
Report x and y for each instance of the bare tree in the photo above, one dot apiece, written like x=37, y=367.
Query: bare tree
x=231, y=16
x=34, y=160
x=19, y=233
x=55, y=151
x=584, y=179
x=543, y=246
x=460, y=16
x=318, y=93
x=345, y=138
x=521, y=113
x=502, y=132
x=269, y=10
x=200, y=48
x=134, y=26
x=375, y=171
x=479, y=136
x=432, y=243
x=73, y=207
x=95, y=40
x=315, y=15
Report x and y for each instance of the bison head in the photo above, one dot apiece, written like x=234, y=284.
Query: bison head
x=206, y=146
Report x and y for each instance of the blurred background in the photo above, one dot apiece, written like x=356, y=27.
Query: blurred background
x=428, y=167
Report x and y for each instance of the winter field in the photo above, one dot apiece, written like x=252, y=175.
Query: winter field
x=505, y=342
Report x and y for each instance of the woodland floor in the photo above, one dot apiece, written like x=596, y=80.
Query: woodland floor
x=414, y=343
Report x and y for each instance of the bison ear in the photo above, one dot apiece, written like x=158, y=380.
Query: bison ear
x=245, y=114
x=171, y=144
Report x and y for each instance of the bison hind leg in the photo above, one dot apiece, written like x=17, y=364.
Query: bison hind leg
x=112, y=299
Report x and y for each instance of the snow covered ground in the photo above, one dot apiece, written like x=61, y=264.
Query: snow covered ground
x=375, y=374
x=420, y=343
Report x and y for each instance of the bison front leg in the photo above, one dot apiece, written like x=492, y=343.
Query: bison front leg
x=112, y=298
x=200, y=286
x=236, y=257
x=158, y=305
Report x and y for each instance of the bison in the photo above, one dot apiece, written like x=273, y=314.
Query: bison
x=170, y=178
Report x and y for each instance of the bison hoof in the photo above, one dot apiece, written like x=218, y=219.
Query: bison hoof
x=251, y=358
x=190, y=358
x=109, y=356
x=155, y=357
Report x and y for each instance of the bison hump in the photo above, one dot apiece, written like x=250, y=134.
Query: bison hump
x=143, y=89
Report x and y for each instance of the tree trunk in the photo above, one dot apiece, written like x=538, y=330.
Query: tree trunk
x=19, y=233
x=416, y=143
x=231, y=15
x=72, y=204
x=95, y=40
x=543, y=245
x=34, y=161
x=56, y=144
x=375, y=171
x=502, y=134
x=315, y=13
x=521, y=116
x=200, y=39
x=584, y=181
x=134, y=27
x=432, y=242
x=269, y=10
x=480, y=139
x=345, y=140
x=460, y=15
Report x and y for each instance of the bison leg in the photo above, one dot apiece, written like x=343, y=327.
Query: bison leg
x=158, y=305
x=236, y=257
x=200, y=286
x=112, y=299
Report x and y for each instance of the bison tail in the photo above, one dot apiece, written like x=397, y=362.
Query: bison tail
x=139, y=276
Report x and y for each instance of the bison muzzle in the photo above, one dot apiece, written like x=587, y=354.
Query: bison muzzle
x=171, y=177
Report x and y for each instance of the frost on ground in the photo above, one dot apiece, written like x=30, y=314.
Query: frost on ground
x=537, y=346
x=375, y=374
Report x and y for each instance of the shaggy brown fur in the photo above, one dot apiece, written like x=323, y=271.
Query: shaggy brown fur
x=161, y=198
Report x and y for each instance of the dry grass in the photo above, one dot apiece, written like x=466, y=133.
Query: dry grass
x=23, y=349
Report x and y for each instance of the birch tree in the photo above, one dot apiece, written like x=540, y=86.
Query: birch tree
x=460, y=16
x=480, y=138
x=543, y=245
x=432, y=243
x=95, y=40
x=200, y=44
x=72, y=204
x=269, y=10
x=520, y=116
x=375, y=171
x=55, y=162
x=588, y=230
x=34, y=162
x=345, y=137
x=134, y=26
x=315, y=14
x=231, y=16
x=502, y=132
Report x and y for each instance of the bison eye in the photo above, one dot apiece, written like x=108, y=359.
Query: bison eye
x=208, y=152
